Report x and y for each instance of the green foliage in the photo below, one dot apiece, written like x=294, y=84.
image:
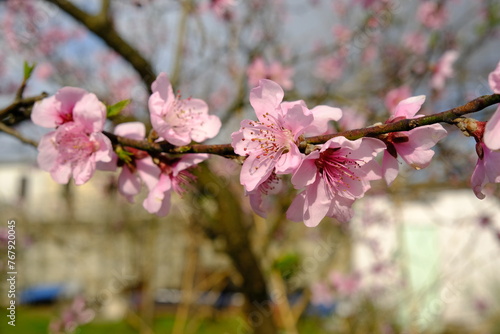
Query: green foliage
x=287, y=265
x=28, y=70
x=116, y=108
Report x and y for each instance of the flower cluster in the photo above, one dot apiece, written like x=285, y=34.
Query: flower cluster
x=78, y=147
x=77, y=143
x=330, y=177
x=334, y=174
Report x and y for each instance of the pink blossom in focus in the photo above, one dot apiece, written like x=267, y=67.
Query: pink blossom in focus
x=432, y=15
x=443, y=69
x=487, y=169
x=276, y=72
x=174, y=176
x=180, y=121
x=396, y=95
x=413, y=146
x=334, y=177
x=67, y=105
x=270, y=144
x=73, y=151
x=492, y=130
x=74, y=148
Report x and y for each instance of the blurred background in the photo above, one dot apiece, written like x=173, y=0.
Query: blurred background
x=420, y=256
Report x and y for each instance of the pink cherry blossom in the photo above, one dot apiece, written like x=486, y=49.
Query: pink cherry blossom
x=74, y=148
x=432, y=15
x=270, y=144
x=334, y=177
x=492, y=131
x=487, y=169
x=443, y=69
x=67, y=105
x=73, y=151
x=180, y=121
x=396, y=95
x=258, y=70
x=413, y=146
x=174, y=176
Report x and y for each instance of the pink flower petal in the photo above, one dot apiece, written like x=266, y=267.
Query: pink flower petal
x=90, y=112
x=322, y=115
x=133, y=130
x=129, y=184
x=265, y=98
x=478, y=179
x=163, y=87
x=148, y=171
x=494, y=79
x=492, y=131
x=409, y=107
x=306, y=173
x=390, y=168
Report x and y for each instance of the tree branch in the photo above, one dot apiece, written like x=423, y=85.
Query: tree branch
x=227, y=150
x=102, y=26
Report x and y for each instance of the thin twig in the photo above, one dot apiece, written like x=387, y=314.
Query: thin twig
x=14, y=133
x=227, y=150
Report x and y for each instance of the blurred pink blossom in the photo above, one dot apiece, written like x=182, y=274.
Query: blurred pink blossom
x=75, y=315
x=321, y=294
x=443, y=69
x=342, y=34
x=223, y=9
x=329, y=69
x=416, y=42
x=396, y=95
x=432, y=15
x=276, y=72
x=44, y=71
x=345, y=284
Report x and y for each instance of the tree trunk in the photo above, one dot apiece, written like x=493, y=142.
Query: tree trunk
x=231, y=224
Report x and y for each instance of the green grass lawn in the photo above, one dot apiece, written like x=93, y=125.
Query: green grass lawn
x=36, y=320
